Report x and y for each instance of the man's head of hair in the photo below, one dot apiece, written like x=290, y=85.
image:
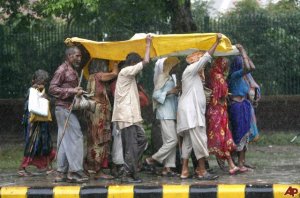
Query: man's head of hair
x=98, y=65
x=132, y=59
x=73, y=56
x=71, y=50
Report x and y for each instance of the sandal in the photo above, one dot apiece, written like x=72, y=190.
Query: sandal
x=185, y=176
x=103, y=176
x=50, y=172
x=147, y=161
x=234, y=171
x=243, y=169
x=148, y=166
x=24, y=173
x=249, y=166
x=169, y=174
x=207, y=176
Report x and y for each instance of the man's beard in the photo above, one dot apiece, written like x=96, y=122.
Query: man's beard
x=76, y=65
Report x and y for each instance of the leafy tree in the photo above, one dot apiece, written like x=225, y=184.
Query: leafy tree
x=284, y=6
x=124, y=16
x=80, y=11
x=16, y=15
x=180, y=15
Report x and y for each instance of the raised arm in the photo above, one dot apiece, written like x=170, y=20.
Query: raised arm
x=248, y=65
x=252, y=66
x=211, y=51
x=147, y=52
x=194, y=68
x=111, y=75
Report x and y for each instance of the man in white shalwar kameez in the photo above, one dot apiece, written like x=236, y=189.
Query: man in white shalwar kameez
x=191, y=114
x=165, y=102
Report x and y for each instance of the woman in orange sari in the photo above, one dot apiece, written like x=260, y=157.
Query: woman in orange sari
x=220, y=142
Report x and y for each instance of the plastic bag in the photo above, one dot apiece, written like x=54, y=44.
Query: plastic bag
x=37, y=104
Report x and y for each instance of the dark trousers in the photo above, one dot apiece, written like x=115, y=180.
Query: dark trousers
x=156, y=138
x=134, y=142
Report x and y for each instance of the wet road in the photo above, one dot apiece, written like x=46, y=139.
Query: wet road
x=263, y=176
x=274, y=165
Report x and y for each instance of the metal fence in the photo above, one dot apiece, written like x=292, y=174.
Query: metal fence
x=272, y=42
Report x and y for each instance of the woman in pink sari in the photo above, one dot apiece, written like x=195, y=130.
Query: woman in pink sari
x=220, y=142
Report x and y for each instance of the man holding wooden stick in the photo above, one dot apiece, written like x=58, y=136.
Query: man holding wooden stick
x=64, y=87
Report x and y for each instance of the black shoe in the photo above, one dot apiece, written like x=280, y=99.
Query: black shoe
x=83, y=175
x=207, y=176
x=117, y=171
x=76, y=177
x=60, y=177
x=114, y=170
x=211, y=170
x=148, y=168
x=128, y=179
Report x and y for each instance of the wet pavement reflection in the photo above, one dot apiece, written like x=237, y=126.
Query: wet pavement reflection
x=274, y=165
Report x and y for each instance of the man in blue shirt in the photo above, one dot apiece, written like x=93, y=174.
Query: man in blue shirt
x=165, y=101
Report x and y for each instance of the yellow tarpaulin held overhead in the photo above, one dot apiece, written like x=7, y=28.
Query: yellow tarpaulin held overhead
x=162, y=45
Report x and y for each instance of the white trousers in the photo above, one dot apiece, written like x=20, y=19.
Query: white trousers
x=117, y=147
x=195, y=139
x=70, y=153
x=167, y=153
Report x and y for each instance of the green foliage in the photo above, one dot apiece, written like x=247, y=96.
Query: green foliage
x=199, y=11
x=271, y=41
x=112, y=16
x=31, y=41
x=284, y=6
x=246, y=6
x=81, y=12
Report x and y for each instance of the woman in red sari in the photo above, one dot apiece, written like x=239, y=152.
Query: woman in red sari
x=220, y=142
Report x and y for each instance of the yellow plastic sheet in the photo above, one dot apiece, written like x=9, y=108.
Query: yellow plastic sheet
x=162, y=45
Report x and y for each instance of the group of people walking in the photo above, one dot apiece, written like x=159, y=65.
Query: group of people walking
x=192, y=121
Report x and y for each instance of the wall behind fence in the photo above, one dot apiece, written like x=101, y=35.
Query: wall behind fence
x=274, y=113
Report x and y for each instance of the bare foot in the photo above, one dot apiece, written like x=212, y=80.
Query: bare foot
x=101, y=175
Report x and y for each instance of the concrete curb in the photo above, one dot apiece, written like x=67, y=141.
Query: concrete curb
x=164, y=191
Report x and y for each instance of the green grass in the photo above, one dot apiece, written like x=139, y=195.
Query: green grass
x=11, y=156
x=277, y=138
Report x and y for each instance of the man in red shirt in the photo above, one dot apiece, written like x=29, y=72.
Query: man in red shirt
x=64, y=87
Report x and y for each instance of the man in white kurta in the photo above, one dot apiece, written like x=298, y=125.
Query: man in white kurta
x=191, y=116
x=127, y=110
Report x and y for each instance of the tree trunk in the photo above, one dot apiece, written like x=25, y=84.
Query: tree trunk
x=181, y=17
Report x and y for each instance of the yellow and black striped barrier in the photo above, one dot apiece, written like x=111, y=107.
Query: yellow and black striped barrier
x=164, y=191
